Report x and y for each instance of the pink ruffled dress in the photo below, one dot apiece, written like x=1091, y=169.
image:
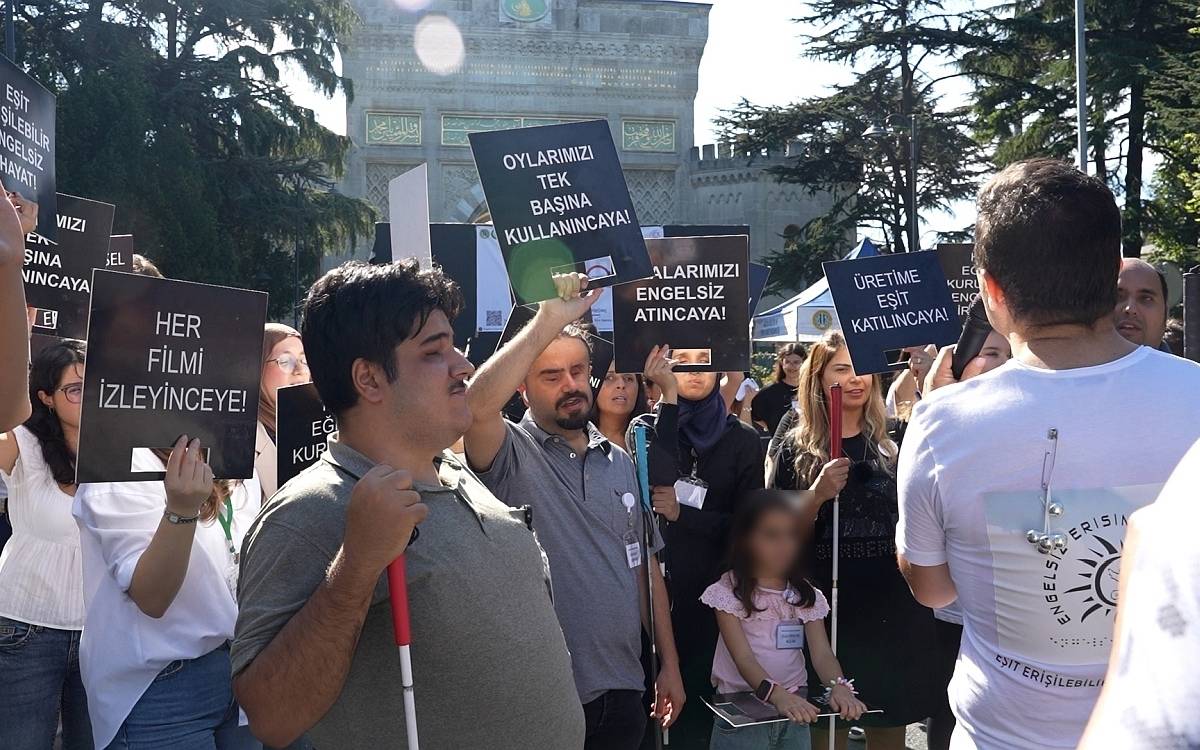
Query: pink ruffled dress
x=786, y=667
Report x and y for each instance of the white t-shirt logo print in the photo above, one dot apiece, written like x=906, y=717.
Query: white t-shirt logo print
x=1057, y=608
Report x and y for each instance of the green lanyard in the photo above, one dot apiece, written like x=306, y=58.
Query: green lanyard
x=225, y=517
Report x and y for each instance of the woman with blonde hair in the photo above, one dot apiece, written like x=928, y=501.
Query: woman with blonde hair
x=886, y=640
x=283, y=364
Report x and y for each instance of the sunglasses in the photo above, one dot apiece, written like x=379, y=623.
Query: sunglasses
x=289, y=364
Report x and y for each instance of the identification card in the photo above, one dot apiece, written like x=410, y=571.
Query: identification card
x=633, y=554
x=691, y=493
x=789, y=635
x=633, y=549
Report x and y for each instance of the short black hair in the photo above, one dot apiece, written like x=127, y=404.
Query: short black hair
x=360, y=311
x=1050, y=236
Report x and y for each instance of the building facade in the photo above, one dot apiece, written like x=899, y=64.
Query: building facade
x=634, y=63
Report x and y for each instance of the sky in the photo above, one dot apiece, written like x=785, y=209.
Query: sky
x=742, y=33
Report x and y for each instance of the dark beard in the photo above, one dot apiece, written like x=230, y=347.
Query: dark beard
x=577, y=422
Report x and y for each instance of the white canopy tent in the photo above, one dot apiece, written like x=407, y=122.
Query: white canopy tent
x=807, y=316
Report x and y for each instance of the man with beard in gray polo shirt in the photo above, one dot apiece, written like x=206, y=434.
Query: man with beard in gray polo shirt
x=313, y=651
x=583, y=491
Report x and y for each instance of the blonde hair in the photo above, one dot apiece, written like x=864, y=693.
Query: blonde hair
x=810, y=436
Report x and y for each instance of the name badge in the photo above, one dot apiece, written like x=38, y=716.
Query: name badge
x=633, y=554
x=690, y=493
x=789, y=635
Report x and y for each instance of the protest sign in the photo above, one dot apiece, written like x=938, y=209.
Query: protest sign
x=601, y=312
x=696, y=299
x=559, y=202
x=301, y=428
x=759, y=276
x=959, y=268
x=120, y=253
x=470, y=254
x=168, y=358
x=27, y=143
x=58, y=276
x=886, y=302
x=408, y=216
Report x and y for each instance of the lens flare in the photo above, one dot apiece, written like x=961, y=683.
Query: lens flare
x=439, y=44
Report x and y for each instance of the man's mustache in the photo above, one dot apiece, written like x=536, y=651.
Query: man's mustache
x=567, y=397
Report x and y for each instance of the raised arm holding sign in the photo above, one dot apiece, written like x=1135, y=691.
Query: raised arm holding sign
x=14, y=325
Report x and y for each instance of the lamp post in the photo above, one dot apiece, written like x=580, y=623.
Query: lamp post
x=887, y=129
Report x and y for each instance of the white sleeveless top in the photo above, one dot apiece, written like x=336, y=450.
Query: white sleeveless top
x=41, y=573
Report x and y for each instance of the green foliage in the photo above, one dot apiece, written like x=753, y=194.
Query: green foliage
x=1175, y=209
x=174, y=110
x=887, y=41
x=1024, y=100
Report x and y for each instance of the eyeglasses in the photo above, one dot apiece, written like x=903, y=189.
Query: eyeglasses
x=289, y=364
x=73, y=392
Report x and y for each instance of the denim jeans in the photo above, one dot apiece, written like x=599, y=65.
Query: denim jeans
x=189, y=706
x=39, y=669
x=781, y=735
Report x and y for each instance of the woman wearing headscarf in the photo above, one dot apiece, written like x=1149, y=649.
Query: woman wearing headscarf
x=283, y=364
x=703, y=461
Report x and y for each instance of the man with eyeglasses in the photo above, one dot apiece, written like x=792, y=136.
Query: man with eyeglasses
x=1014, y=495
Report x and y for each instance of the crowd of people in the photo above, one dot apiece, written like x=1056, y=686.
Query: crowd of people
x=977, y=522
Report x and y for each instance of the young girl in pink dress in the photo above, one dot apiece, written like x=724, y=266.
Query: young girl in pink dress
x=767, y=612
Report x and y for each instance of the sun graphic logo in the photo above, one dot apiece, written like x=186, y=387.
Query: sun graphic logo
x=1101, y=571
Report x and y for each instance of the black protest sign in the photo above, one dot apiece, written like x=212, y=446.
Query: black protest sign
x=27, y=142
x=301, y=427
x=959, y=267
x=169, y=358
x=120, y=253
x=559, y=203
x=468, y=253
x=759, y=275
x=696, y=299
x=58, y=276
x=886, y=302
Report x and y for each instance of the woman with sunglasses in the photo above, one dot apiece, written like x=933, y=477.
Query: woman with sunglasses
x=284, y=364
x=41, y=577
x=885, y=639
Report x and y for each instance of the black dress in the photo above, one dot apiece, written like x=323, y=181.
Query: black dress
x=886, y=640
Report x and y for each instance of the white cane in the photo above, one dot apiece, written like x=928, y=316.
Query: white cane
x=835, y=452
x=398, y=591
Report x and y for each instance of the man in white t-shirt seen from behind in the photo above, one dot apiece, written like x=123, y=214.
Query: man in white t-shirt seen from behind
x=1016, y=486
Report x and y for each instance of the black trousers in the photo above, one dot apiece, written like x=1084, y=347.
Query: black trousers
x=941, y=724
x=615, y=721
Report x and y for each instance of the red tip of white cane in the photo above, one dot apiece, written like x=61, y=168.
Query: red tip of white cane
x=835, y=421
x=398, y=589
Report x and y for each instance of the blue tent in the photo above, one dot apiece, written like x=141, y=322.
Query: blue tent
x=807, y=316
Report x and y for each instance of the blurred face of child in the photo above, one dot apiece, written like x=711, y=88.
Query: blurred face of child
x=775, y=543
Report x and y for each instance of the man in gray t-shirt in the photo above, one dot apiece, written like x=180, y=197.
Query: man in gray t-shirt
x=584, y=495
x=313, y=651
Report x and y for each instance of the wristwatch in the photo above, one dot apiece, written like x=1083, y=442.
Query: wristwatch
x=764, y=690
x=179, y=520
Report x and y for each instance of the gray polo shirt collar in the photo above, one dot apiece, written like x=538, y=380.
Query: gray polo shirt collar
x=596, y=438
x=450, y=471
